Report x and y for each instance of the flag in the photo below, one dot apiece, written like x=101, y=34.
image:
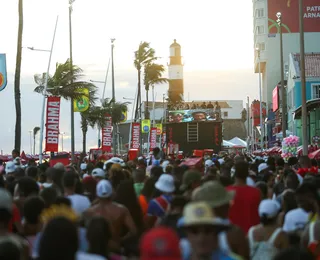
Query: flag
x=159, y=129
x=135, y=136
x=107, y=135
x=3, y=71
x=153, y=138
x=124, y=117
x=82, y=104
x=52, y=124
x=145, y=126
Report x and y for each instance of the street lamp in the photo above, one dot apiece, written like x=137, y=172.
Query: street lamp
x=283, y=91
x=303, y=82
x=62, y=134
x=260, y=94
x=45, y=90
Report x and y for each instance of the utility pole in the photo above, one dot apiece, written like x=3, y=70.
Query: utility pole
x=115, y=127
x=260, y=94
x=283, y=90
x=71, y=81
x=303, y=82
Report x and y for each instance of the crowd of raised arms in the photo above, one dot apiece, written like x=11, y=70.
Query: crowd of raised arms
x=157, y=208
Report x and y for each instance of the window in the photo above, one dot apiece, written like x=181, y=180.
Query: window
x=260, y=29
x=225, y=114
x=315, y=90
x=259, y=13
x=261, y=46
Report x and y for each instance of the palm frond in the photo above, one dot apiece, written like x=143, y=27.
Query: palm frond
x=35, y=131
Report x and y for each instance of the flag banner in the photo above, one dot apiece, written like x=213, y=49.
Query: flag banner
x=135, y=136
x=3, y=71
x=107, y=135
x=124, y=116
x=159, y=129
x=145, y=126
x=82, y=104
x=52, y=124
x=153, y=138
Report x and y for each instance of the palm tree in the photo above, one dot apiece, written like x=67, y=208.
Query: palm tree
x=142, y=56
x=17, y=93
x=35, y=131
x=152, y=76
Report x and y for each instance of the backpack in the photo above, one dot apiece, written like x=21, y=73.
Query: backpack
x=264, y=249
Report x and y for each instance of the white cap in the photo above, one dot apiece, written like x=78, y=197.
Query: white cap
x=221, y=161
x=295, y=219
x=114, y=160
x=208, y=163
x=83, y=166
x=10, y=167
x=5, y=200
x=262, y=167
x=164, y=165
x=165, y=183
x=104, y=189
x=97, y=172
x=269, y=208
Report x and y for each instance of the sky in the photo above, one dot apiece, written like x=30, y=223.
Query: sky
x=215, y=36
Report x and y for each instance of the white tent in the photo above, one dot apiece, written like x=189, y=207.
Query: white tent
x=227, y=144
x=238, y=142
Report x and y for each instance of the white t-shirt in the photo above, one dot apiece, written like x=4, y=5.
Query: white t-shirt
x=79, y=203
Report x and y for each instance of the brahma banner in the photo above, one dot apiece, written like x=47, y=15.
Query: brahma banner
x=107, y=135
x=135, y=136
x=52, y=124
x=153, y=138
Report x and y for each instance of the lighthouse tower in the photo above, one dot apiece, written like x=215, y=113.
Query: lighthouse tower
x=175, y=69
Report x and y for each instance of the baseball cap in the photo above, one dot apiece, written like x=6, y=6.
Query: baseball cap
x=213, y=193
x=200, y=213
x=104, y=189
x=97, y=172
x=295, y=220
x=5, y=200
x=83, y=166
x=262, y=167
x=269, y=208
x=160, y=243
x=189, y=177
x=10, y=167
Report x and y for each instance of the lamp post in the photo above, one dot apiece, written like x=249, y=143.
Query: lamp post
x=283, y=91
x=45, y=91
x=260, y=96
x=62, y=134
x=71, y=79
x=114, y=135
x=303, y=82
x=30, y=134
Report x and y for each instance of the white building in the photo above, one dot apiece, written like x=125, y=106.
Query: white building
x=268, y=40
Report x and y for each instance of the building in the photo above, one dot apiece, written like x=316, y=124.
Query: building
x=312, y=61
x=267, y=39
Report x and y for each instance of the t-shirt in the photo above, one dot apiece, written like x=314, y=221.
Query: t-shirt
x=244, y=208
x=138, y=188
x=15, y=218
x=79, y=203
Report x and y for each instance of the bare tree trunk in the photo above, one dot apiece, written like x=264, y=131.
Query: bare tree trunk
x=84, y=127
x=17, y=93
x=138, y=96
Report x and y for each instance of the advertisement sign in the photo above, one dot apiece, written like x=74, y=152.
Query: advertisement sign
x=289, y=10
x=135, y=139
x=82, y=104
x=159, y=129
x=153, y=138
x=275, y=99
x=107, y=135
x=52, y=124
x=193, y=115
x=255, y=112
x=145, y=126
x=3, y=71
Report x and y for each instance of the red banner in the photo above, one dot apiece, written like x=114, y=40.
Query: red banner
x=107, y=135
x=135, y=136
x=52, y=124
x=153, y=138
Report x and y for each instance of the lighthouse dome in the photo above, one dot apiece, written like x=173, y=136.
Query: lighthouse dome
x=175, y=44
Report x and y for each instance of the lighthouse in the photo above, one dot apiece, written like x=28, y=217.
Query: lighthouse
x=175, y=69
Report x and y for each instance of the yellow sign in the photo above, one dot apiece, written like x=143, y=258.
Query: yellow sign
x=82, y=104
x=145, y=126
x=159, y=129
x=124, y=117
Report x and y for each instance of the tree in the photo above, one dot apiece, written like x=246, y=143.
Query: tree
x=35, y=131
x=152, y=76
x=143, y=55
x=60, y=84
x=17, y=93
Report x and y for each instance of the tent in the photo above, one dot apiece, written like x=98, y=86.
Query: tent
x=227, y=144
x=238, y=142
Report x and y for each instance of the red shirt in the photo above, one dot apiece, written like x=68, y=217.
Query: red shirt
x=244, y=208
x=15, y=217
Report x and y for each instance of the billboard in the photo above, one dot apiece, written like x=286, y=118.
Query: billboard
x=52, y=124
x=193, y=115
x=290, y=15
x=275, y=99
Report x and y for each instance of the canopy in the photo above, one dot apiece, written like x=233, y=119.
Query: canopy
x=238, y=142
x=227, y=144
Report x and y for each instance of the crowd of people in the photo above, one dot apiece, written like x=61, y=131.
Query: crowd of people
x=238, y=207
